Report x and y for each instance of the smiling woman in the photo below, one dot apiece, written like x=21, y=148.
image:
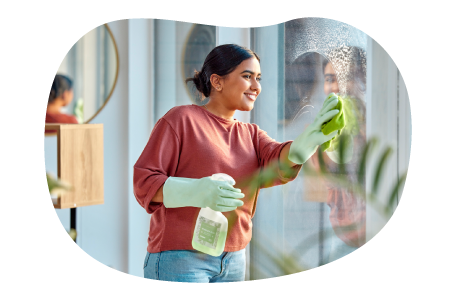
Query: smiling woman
x=236, y=91
x=231, y=82
x=172, y=177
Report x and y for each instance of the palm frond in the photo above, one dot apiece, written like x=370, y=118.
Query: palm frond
x=380, y=168
x=342, y=149
x=394, y=193
x=321, y=162
x=364, y=157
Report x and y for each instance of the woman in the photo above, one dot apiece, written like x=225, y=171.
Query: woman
x=190, y=143
x=60, y=96
x=348, y=209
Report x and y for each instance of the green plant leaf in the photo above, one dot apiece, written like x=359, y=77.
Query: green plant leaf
x=56, y=186
x=286, y=263
x=365, y=154
x=321, y=161
x=311, y=240
x=394, y=193
x=380, y=167
x=342, y=149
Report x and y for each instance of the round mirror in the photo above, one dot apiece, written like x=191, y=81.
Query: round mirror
x=200, y=41
x=85, y=79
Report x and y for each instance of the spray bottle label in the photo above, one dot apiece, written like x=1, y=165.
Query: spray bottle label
x=207, y=232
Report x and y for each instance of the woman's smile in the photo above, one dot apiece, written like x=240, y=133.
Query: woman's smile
x=251, y=96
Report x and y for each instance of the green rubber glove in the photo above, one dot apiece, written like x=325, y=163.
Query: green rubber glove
x=205, y=192
x=352, y=116
x=336, y=123
x=306, y=144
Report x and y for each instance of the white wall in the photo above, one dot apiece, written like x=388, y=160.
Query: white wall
x=102, y=229
x=182, y=33
x=170, y=90
x=89, y=69
x=115, y=233
x=140, y=123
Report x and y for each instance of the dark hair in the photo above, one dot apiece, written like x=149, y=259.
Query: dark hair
x=222, y=60
x=301, y=74
x=300, y=84
x=357, y=68
x=61, y=84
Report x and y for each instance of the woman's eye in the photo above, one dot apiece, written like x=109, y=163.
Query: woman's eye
x=330, y=79
x=250, y=76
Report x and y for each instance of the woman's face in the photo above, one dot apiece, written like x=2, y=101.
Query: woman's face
x=241, y=87
x=67, y=97
x=331, y=85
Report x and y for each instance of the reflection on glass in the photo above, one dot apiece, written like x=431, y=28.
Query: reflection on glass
x=324, y=56
x=348, y=211
x=60, y=96
x=91, y=65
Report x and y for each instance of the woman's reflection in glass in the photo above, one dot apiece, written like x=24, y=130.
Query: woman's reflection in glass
x=348, y=211
x=60, y=96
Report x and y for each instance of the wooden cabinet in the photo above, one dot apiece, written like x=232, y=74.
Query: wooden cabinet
x=80, y=163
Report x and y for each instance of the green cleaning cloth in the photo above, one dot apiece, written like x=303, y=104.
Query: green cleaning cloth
x=336, y=123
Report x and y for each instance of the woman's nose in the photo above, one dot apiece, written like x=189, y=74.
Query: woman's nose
x=256, y=86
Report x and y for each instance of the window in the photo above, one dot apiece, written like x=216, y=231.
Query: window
x=310, y=220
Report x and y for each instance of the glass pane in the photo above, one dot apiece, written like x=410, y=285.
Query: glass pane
x=323, y=56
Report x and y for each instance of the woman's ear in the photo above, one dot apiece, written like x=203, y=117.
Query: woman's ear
x=217, y=82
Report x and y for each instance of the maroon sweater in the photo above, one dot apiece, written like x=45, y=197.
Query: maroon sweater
x=59, y=118
x=188, y=141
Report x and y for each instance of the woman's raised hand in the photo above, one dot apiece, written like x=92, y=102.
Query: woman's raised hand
x=306, y=144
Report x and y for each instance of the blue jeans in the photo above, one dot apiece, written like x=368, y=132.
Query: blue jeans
x=195, y=266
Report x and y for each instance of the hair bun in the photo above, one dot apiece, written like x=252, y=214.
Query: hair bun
x=199, y=82
x=205, y=84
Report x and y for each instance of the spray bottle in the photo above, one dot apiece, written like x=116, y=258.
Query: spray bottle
x=211, y=226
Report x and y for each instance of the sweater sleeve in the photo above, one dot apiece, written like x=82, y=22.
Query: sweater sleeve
x=268, y=151
x=157, y=162
x=348, y=211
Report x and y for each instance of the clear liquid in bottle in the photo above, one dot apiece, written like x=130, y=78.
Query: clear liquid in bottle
x=211, y=226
